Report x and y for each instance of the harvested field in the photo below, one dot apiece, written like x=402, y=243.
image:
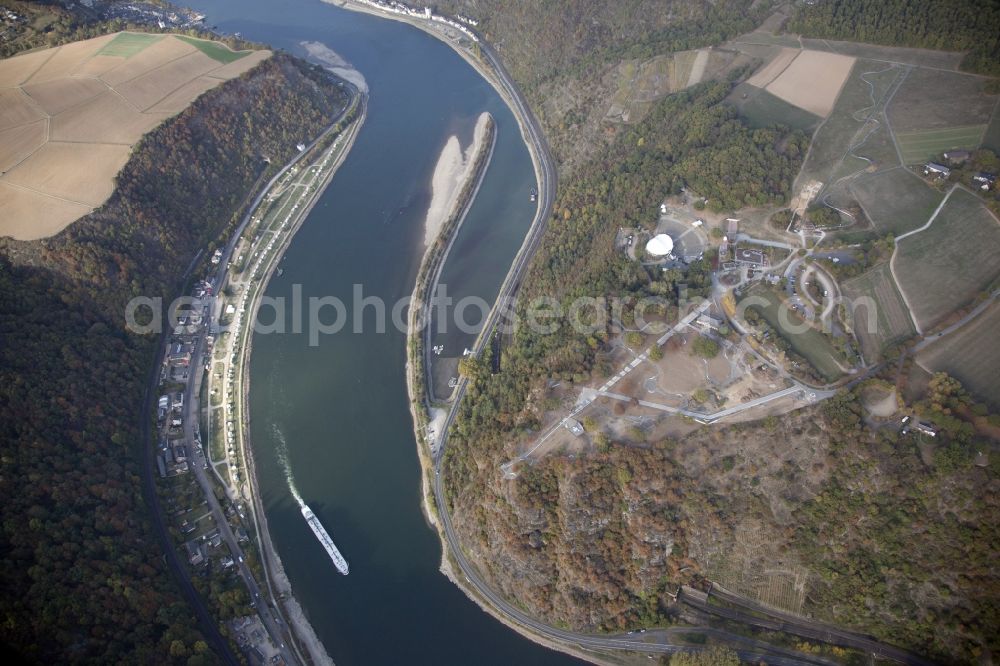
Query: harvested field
x=67, y=58
x=931, y=99
x=16, y=108
x=896, y=200
x=884, y=318
x=104, y=119
x=96, y=66
x=945, y=266
x=15, y=71
x=17, y=143
x=28, y=215
x=770, y=71
x=698, y=67
x=56, y=96
x=146, y=90
x=813, y=81
x=971, y=355
x=178, y=100
x=69, y=116
x=57, y=169
x=919, y=147
x=156, y=55
x=762, y=109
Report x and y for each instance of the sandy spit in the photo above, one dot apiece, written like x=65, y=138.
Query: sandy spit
x=330, y=60
x=453, y=169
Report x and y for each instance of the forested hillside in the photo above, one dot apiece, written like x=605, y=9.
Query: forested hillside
x=688, y=140
x=885, y=534
x=82, y=574
x=947, y=25
x=561, y=53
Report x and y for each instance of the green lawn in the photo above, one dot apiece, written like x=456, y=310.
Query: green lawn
x=925, y=145
x=214, y=50
x=127, y=44
x=812, y=345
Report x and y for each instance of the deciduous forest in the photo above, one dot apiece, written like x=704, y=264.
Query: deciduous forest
x=82, y=574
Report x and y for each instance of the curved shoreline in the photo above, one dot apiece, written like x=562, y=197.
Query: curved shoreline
x=278, y=585
x=418, y=388
x=545, y=175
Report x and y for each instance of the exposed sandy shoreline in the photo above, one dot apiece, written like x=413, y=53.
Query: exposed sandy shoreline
x=452, y=171
x=426, y=464
x=331, y=61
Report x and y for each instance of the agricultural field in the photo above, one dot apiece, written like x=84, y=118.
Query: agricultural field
x=770, y=71
x=888, y=55
x=930, y=99
x=884, y=318
x=971, y=355
x=762, y=109
x=846, y=124
x=895, y=200
x=919, y=147
x=947, y=265
x=70, y=115
x=878, y=146
x=991, y=139
x=813, y=81
x=808, y=342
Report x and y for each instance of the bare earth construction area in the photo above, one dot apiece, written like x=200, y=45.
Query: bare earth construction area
x=70, y=115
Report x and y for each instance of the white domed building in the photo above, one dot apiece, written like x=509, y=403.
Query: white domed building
x=660, y=245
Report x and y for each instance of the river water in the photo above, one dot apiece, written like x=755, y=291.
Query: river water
x=336, y=413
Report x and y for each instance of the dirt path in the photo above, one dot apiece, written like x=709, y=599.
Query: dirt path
x=895, y=253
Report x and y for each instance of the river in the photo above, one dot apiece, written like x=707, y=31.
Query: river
x=337, y=412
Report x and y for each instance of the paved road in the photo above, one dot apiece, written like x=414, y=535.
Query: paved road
x=206, y=622
x=759, y=615
x=198, y=464
x=647, y=643
x=957, y=325
x=197, y=461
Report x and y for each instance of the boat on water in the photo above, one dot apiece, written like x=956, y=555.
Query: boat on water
x=533, y=195
x=324, y=538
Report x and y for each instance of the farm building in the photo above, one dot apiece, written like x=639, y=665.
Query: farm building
x=956, y=156
x=984, y=180
x=935, y=169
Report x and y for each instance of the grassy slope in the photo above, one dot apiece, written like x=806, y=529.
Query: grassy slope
x=949, y=263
